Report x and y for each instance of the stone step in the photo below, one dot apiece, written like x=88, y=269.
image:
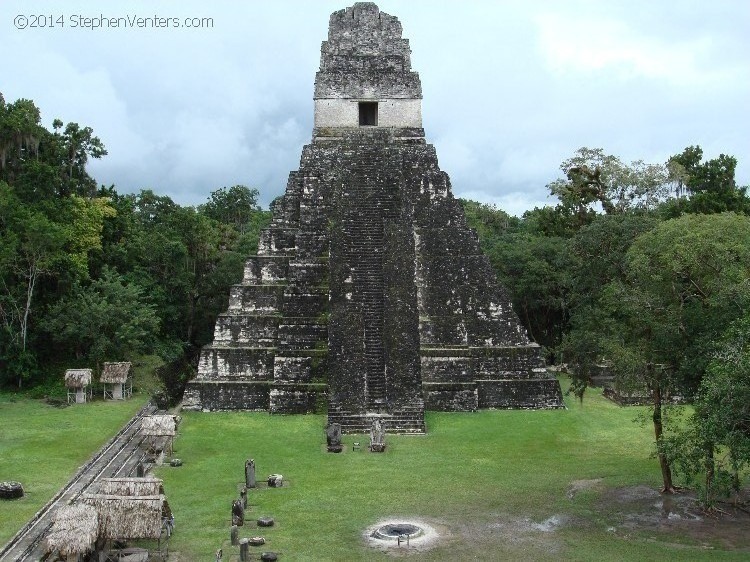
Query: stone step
x=247, y=330
x=258, y=299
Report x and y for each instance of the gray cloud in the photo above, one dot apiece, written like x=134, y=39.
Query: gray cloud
x=511, y=88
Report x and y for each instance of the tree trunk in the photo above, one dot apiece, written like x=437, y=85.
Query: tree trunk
x=666, y=471
x=708, y=447
x=32, y=275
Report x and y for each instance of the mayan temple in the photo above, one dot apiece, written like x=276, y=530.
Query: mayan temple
x=369, y=293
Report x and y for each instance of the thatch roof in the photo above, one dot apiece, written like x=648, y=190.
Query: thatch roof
x=158, y=426
x=74, y=529
x=129, y=517
x=115, y=372
x=130, y=487
x=77, y=378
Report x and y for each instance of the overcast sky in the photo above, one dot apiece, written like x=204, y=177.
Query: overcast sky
x=511, y=88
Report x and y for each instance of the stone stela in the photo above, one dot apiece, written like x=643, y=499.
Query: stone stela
x=368, y=286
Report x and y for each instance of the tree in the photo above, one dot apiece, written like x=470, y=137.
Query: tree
x=710, y=186
x=20, y=135
x=685, y=280
x=532, y=265
x=535, y=268
x=597, y=258
x=37, y=162
x=31, y=246
x=713, y=447
x=593, y=177
x=235, y=206
x=75, y=144
x=108, y=319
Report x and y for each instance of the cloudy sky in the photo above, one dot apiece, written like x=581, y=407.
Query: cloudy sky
x=511, y=88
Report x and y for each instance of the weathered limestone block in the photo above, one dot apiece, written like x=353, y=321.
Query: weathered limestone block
x=277, y=241
x=292, y=369
x=250, y=473
x=526, y=394
x=265, y=270
x=238, y=513
x=257, y=299
x=303, y=333
x=304, y=302
x=246, y=330
x=274, y=481
x=295, y=398
x=451, y=397
x=236, y=363
x=453, y=368
x=309, y=272
x=213, y=395
x=333, y=438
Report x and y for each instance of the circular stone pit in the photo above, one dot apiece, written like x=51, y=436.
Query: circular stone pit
x=401, y=533
x=395, y=531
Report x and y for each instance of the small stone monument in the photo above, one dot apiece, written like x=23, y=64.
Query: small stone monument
x=11, y=490
x=333, y=438
x=377, y=437
x=243, y=496
x=243, y=550
x=275, y=481
x=256, y=541
x=238, y=513
x=234, y=535
x=219, y=555
x=250, y=473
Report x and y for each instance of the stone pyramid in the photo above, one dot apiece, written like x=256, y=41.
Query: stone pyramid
x=369, y=293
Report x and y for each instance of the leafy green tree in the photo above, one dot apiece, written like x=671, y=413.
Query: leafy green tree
x=20, y=135
x=489, y=222
x=31, y=247
x=713, y=448
x=593, y=177
x=74, y=146
x=40, y=163
x=532, y=266
x=108, y=319
x=709, y=186
x=235, y=206
x=596, y=259
x=535, y=268
x=685, y=281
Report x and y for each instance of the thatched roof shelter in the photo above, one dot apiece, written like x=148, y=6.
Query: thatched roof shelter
x=115, y=372
x=129, y=517
x=159, y=426
x=130, y=487
x=74, y=530
x=77, y=378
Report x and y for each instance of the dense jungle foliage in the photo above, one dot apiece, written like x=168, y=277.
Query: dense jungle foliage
x=643, y=267
x=89, y=275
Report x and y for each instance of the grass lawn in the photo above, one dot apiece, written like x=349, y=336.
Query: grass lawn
x=495, y=484
x=42, y=446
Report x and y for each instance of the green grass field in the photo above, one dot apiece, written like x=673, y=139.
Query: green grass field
x=496, y=485
x=487, y=481
x=42, y=446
